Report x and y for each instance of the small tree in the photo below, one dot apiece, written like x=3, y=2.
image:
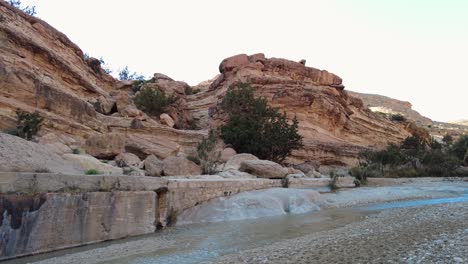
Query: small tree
x=448, y=140
x=254, y=127
x=153, y=101
x=125, y=75
x=460, y=149
x=27, y=124
x=207, y=154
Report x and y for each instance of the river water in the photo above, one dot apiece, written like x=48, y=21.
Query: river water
x=195, y=243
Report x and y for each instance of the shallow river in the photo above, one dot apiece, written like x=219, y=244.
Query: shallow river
x=202, y=242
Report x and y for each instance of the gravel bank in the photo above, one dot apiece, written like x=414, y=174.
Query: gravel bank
x=430, y=234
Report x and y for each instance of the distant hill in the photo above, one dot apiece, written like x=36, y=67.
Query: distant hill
x=459, y=122
x=380, y=103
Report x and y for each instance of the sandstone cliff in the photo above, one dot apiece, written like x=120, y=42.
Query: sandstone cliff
x=42, y=70
x=335, y=126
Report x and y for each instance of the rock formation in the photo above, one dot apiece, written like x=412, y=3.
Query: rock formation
x=42, y=70
x=335, y=126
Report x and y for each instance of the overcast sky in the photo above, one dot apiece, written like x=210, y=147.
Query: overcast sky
x=414, y=50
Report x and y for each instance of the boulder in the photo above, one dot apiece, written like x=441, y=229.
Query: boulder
x=105, y=146
x=315, y=174
x=88, y=162
x=235, y=174
x=19, y=155
x=105, y=105
x=166, y=120
x=226, y=154
x=153, y=166
x=127, y=160
x=233, y=62
x=264, y=169
x=235, y=161
x=307, y=166
x=144, y=145
x=345, y=182
x=177, y=166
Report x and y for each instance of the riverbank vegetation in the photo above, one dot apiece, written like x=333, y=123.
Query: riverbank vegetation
x=415, y=157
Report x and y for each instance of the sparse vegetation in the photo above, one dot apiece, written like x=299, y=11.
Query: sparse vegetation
x=414, y=157
x=153, y=101
x=189, y=90
x=254, y=127
x=207, y=155
x=27, y=124
x=92, y=172
x=125, y=75
x=30, y=10
x=397, y=118
x=76, y=151
x=105, y=66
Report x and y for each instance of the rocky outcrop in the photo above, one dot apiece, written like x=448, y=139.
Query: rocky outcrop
x=335, y=126
x=105, y=146
x=19, y=155
x=91, y=163
x=42, y=70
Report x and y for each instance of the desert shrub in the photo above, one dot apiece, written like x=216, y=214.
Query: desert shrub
x=76, y=151
x=460, y=149
x=153, y=101
x=448, y=140
x=105, y=66
x=207, y=155
x=30, y=10
x=125, y=75
x=254, y=127
x=397, y=118
x=189, y=90
x=27, y=124
x=92, y=172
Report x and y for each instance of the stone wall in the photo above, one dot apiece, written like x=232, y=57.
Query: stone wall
x=46, y=212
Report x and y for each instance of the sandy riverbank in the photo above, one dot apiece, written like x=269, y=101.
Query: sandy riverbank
x=429, y=234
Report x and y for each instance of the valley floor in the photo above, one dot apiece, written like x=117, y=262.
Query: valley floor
x=429, y=234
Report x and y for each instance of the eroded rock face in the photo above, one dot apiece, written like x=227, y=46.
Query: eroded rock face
x=19, y=155
x=335, y=126
x=42, y=70
x=90, y=163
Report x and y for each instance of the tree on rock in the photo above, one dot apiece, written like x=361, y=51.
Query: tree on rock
x=254, y=127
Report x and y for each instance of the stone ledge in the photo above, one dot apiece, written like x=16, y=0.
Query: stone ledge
x=30, y=183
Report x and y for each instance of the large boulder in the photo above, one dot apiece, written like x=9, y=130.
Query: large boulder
x=180, y=165
x=145, y=145
x=235, y=161
x=127, y=160
x=91, y=163
x=166, y=120
x=19, y=155
x=153, y=166
x=264, y=169
x=105, y=146
x=235, y=174
x=307, y=166
x=226, y=154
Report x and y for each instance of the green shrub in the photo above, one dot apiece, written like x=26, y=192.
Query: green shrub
x=460, y=149
x=27, y=124
x=448, y=140
x=254, y=127
x=207, y=155
x=92, y=172
x=153, y=101
x=76, y=151
x=397, y=118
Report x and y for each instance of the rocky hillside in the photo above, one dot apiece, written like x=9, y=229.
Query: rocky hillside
x=85, y=108
x=380, y=103
x=460, y=122
x=335, y=126
x=42, y=70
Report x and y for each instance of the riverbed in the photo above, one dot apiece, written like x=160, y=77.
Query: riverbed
x=354, y=214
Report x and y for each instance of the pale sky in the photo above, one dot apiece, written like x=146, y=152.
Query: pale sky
x=414, y=50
